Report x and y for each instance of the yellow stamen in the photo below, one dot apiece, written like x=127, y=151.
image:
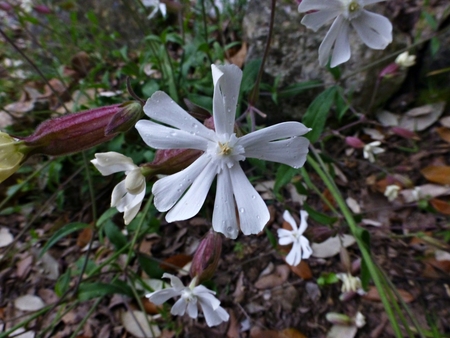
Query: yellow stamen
x=225, y=149
x=353, y=7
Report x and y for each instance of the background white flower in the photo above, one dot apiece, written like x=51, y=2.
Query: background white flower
x=391, y=192
x=374, y=29
x=185, y=192
x=158, y=6
x=127, y=196
x=372, y=149
x=191, y=297
x=300, y=244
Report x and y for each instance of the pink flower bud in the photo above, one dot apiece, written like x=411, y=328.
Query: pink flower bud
x=41, y=9
x=389, y=71
x=125, y=118
x=170, y=161
x=207, y=256
x=4, y=6
x=354, y=142
x=404, y=133
x=73, y=132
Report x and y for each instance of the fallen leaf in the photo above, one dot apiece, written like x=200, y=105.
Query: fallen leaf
x=50, y=266
x=239, y=58
x=443, y=266
x=420, y=118
x=24, y=266
x=291, y=333
x=234, y=327
x=426, y=190
x=437, y=174
x=388, y=119
x=175, y=261
x=21, y=333
x=442, y=255
x=135, y=322
x=277, y=278
x=257, y=332
x=374, y=134
x=84, y=237
x=6, y=238
x=445, y=121
x=441, y=206
x=332, y=246
x=329, y=197
x=302, y=270
x=29, y=303
x=342, y=331
x=374, y=295
x=149, y=307
x=444, y=133
x=353, y=205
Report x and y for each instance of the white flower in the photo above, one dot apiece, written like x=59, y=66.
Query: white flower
x=391, y=192
x=127, y=196
x=359, y=320
x=300, y=244
x=350, y=283
x=405, y=60
x=374, y=29
x=184, y=193
x=158, y=5
x=371, y=149
x=190, y=297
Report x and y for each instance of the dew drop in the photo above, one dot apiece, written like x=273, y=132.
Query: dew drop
x=173, y=133
x=181, y=184
x=241, y=210
x=229, y=229
x=229, y=110
x=179, y=190
x=253, y=196
x=258, y=217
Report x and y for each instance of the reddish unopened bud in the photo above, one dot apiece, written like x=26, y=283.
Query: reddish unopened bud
x=125, y=118
x=354, y=142
x=207, y=256
x=4, y=6
x=170, y=161
x=390, y=70
x=73, y=132
x=405, y=133
x=41, y=9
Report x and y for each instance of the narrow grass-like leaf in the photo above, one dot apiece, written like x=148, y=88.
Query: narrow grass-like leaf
x=283, y=177
x=113, y=233
x=61, y=233
x=88, y=291
x=319, y=217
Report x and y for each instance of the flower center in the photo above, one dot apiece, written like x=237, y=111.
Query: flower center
x=353, y=7
x=187, y=295
x=225, y=149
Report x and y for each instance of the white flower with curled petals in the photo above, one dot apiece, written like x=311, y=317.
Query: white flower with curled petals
x=158, y=5
x=374, y=29
x=183, y=194
x=127, y=196
x=300, y=244
x=191, y=297
x=372, y=149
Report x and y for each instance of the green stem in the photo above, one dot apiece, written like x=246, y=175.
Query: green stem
x=25, y=322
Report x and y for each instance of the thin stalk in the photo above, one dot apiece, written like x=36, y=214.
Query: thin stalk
x=364, y=250
x=91, y=186
x=31, y=317
x=205, y=31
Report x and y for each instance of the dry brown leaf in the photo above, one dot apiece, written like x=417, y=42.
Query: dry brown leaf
x=437, y=174
x=239, y=58
x=234, y=327
x=329, y=197
x=441, y=206
x=444, y=133
x=374, y=295
x=84, y=237
x=24, y=266
x=174, y=262
x=443, y=266
x=302, y=270
x=150, y=308
x=332, y=246
x=420, y=118
x=291, y=333
x=277, y=278
x=257, y=332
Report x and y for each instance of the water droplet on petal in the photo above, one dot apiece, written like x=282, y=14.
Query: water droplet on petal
x=173, y=133
x=230, y=229
x=241, y=210
x=253, y=196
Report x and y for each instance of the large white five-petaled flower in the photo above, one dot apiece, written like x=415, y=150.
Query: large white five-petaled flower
x=300, y=244
x=374, y=29
x=184, y=193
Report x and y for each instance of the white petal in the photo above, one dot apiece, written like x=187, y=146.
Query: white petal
x=163, y=9
x=303, y=221
x=133, y=207
x=277, y=132
x=161, y=296
x=112, y=162
x=227, y=81
x=285, y=237
x=288, y=218
x=179, y=308
x=316, y=20
x=295, y=255
x=317, y=5
x=253, y=212
x=175, y=282
x=306, y=249
x=206, y=297
x=330, y=39
x=189, y=205
x=214, y=317
x=118, y=196
x=162, y=108
x=224, y=216
x=341, y=51
x=192, y=309
x=374, y=29
x=160, y=137
x=169, y=189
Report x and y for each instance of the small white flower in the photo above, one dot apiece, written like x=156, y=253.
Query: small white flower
x=374, y=29
x=350, y=283
x=183, y=194
x=405, y=60
x=191, y=297
x=158, y=5
x=300, y=244
x=359, y=320
x=416, y=194
x=371, y=149
x=127, y=196
x=391, y=192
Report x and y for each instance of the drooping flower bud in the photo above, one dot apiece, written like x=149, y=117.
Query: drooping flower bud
x=354, y=142
x=41, y=9
x=207, y=256
x=4, y=6
x=125, y=118
x=79, y=131
x=405, y=133
x=170, y=161
x=12, y=154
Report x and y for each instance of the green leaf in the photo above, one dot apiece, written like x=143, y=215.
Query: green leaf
x=249, y=75
x=150, y=267
x=272, y=239
x=61, y=233
x=107, y=215
x=298, y=88
x=364, y=235
x=63, y=283
x=88, y=291
x=327, y=279
x=116, y=237
x=319, y=217
x=317, y=112
x=283, y=177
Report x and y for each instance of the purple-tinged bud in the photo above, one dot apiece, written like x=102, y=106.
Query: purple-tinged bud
x=73, y=132
x=125, y=118
x=354, y=142
x=4, y=6
x=389, y=71
x=207, y=256
x=405, y=133
x=41, y=9
x=170, y=161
